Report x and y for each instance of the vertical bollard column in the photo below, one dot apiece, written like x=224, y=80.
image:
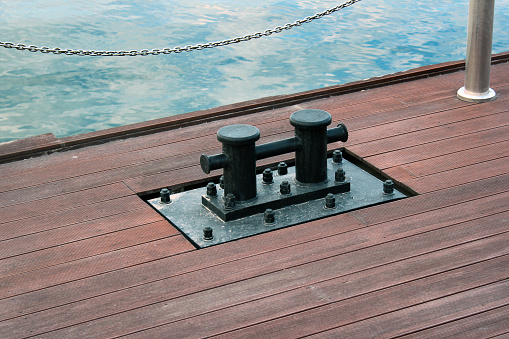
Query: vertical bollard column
x=240, y=167
x=311, y=157
x=478, y=62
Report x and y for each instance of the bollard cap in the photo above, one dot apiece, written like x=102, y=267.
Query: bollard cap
x=238, y=134
x=310, y=119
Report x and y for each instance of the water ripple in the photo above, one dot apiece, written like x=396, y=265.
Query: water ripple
x=71, y=95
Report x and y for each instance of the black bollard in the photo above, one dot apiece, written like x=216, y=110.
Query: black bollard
x=240, y=153
x=238, y=160
x=311, y=158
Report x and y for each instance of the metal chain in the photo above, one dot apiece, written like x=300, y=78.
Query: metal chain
x=177, y=49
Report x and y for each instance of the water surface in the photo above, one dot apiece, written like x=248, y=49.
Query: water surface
x=68, y=95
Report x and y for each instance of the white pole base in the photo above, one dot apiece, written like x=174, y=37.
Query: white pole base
x=476, y=97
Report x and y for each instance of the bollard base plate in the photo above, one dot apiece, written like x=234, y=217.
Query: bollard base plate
x=269, y=197
x=187, y=213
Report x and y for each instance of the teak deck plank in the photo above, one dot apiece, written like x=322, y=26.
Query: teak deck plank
x=464, y=158
x=92, y=266
x=484, y=324
x=73, y=217
x=207, y=301
x=417, y=317
x=330, y=303
x=423, y=136
x=82, y=255
x=459, y=176
x=159, y=291
x=487, y=205
x=357, y=308
x=315, y=253
x=42, y=256
x=409, y=156
x=13, y=210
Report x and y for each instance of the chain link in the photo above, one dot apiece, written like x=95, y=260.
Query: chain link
x=189, y=48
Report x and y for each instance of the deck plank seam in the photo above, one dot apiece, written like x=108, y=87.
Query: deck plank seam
x=456, y=168
x=374, y=153
x=298, y=287
x=88, y=188
x=470, y=180
x=407, y=107
x=329, y=302
x=86, y=257
x=452, y=204
x=338, y=255
x=364, y=227
x=360, y=295
x=72, y=224
x=465, y=148
x=81, y=239
x=50, y=212
x=499, y=113
x=420, y=304
x=450, y=321
x=97, y=274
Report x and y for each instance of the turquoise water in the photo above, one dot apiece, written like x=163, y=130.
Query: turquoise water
x=68, y=95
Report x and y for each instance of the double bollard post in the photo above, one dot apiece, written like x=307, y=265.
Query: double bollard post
x=248, y=201
x=240, y=153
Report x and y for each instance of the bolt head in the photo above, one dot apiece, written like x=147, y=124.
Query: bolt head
x=337, y=157
x=268, y=178
x=330, y=201
x=285, y=187
x=211, y=189
x=207, y=233
x=229, y=201
x=388, y=187
x=282, y=168
x=165, y=196
x=340, y=175
x=269, y=217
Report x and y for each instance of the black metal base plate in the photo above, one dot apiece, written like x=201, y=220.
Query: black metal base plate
x=187, y=213
x=269, y=197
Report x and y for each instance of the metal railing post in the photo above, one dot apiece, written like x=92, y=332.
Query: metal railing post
x=478, y=61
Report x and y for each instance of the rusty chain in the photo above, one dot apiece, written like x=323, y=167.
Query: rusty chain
x=189, y=48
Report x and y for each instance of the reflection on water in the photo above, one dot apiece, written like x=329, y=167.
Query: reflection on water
x=68, y=95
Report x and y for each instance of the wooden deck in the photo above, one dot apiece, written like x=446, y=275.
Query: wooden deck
x=82, y=256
